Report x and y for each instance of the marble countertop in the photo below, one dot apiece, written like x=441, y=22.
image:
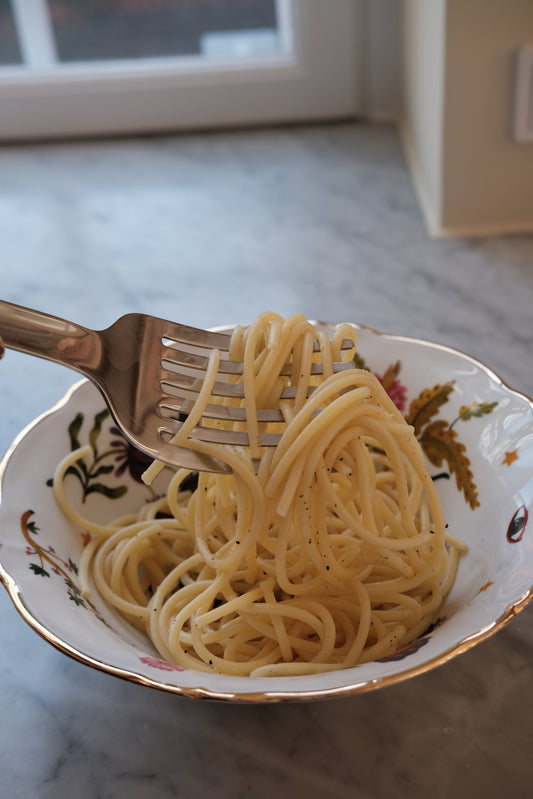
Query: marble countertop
x=210, y=229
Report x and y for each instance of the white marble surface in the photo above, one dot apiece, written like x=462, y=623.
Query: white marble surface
x=213, y=229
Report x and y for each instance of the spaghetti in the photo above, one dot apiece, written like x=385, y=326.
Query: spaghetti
x=321, y=553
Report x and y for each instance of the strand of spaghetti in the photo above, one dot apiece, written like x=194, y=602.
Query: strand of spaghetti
x=242, y=600
x=201, y=599
x=388, y=645
x=241, y=467
x=313, y=607
x=365, y=616
x=316, y=664
x=325, y=355
x=237, y=660
x=294, y=587
x=106, y=548
x=124, y=573
x=341, y=332
x=84, y=565
x=296, y=441
x=303, y=428
x=301, y=647
x=66, y=506
x=251, y=378
x=266, y=380
x=301, y=370
x=249, y=387
x=278, y=627
x=356, y=523
x=333, y=386
x=381, y=590
x=175, y=496
x=413, y=453
x=157, y=622
x=315, y=621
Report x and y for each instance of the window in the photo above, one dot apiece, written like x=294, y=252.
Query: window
x=9, y=45
x=77, y=67
x=88, y=30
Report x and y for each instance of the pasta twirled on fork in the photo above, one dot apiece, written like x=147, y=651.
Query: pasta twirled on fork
x=323, y=552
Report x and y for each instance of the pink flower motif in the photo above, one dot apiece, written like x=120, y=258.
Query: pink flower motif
x=158, y=663
x=397, y=392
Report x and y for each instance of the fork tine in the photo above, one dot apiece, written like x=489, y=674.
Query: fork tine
x=178, y=382
x=172, y=357
x=224, y=413
x=174, y=383
x=206, y=339
x=231, y=437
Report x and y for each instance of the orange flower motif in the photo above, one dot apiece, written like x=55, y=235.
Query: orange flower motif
x=510, y=457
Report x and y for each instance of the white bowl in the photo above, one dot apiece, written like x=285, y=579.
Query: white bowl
x=490, y=428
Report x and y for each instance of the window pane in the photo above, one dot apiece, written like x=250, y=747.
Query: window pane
x=88, y=30
x=9, y=45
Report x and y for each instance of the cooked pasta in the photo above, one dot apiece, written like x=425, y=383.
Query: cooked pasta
x=323, y=552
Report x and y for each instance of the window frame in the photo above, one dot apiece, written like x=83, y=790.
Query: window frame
x=315, y=80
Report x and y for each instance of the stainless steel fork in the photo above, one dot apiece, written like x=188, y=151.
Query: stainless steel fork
x=149, y=372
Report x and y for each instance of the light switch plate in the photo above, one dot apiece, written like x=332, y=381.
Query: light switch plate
x=523, y=108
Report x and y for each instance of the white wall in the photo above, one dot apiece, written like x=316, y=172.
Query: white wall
x=380, y=58
x=422, y=114
x=472, y=177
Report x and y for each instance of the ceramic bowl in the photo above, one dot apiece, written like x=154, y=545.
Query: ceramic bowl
x=478, y=436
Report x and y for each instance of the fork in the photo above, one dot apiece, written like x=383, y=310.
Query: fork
x=149, y=372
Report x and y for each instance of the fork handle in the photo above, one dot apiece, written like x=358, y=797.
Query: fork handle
x=50, y=337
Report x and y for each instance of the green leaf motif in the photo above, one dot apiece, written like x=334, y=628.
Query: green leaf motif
x=107, y=491
x=78, y=600
x=74, y=431
x=97, y=428
x=39, y=570
x=360, y=362
x=73, y=566
x=87, y=470
x=75, y=595
x=475, y=411
x=32, y=527
x=102, y=470
x=73, y=470
x=82, y=466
